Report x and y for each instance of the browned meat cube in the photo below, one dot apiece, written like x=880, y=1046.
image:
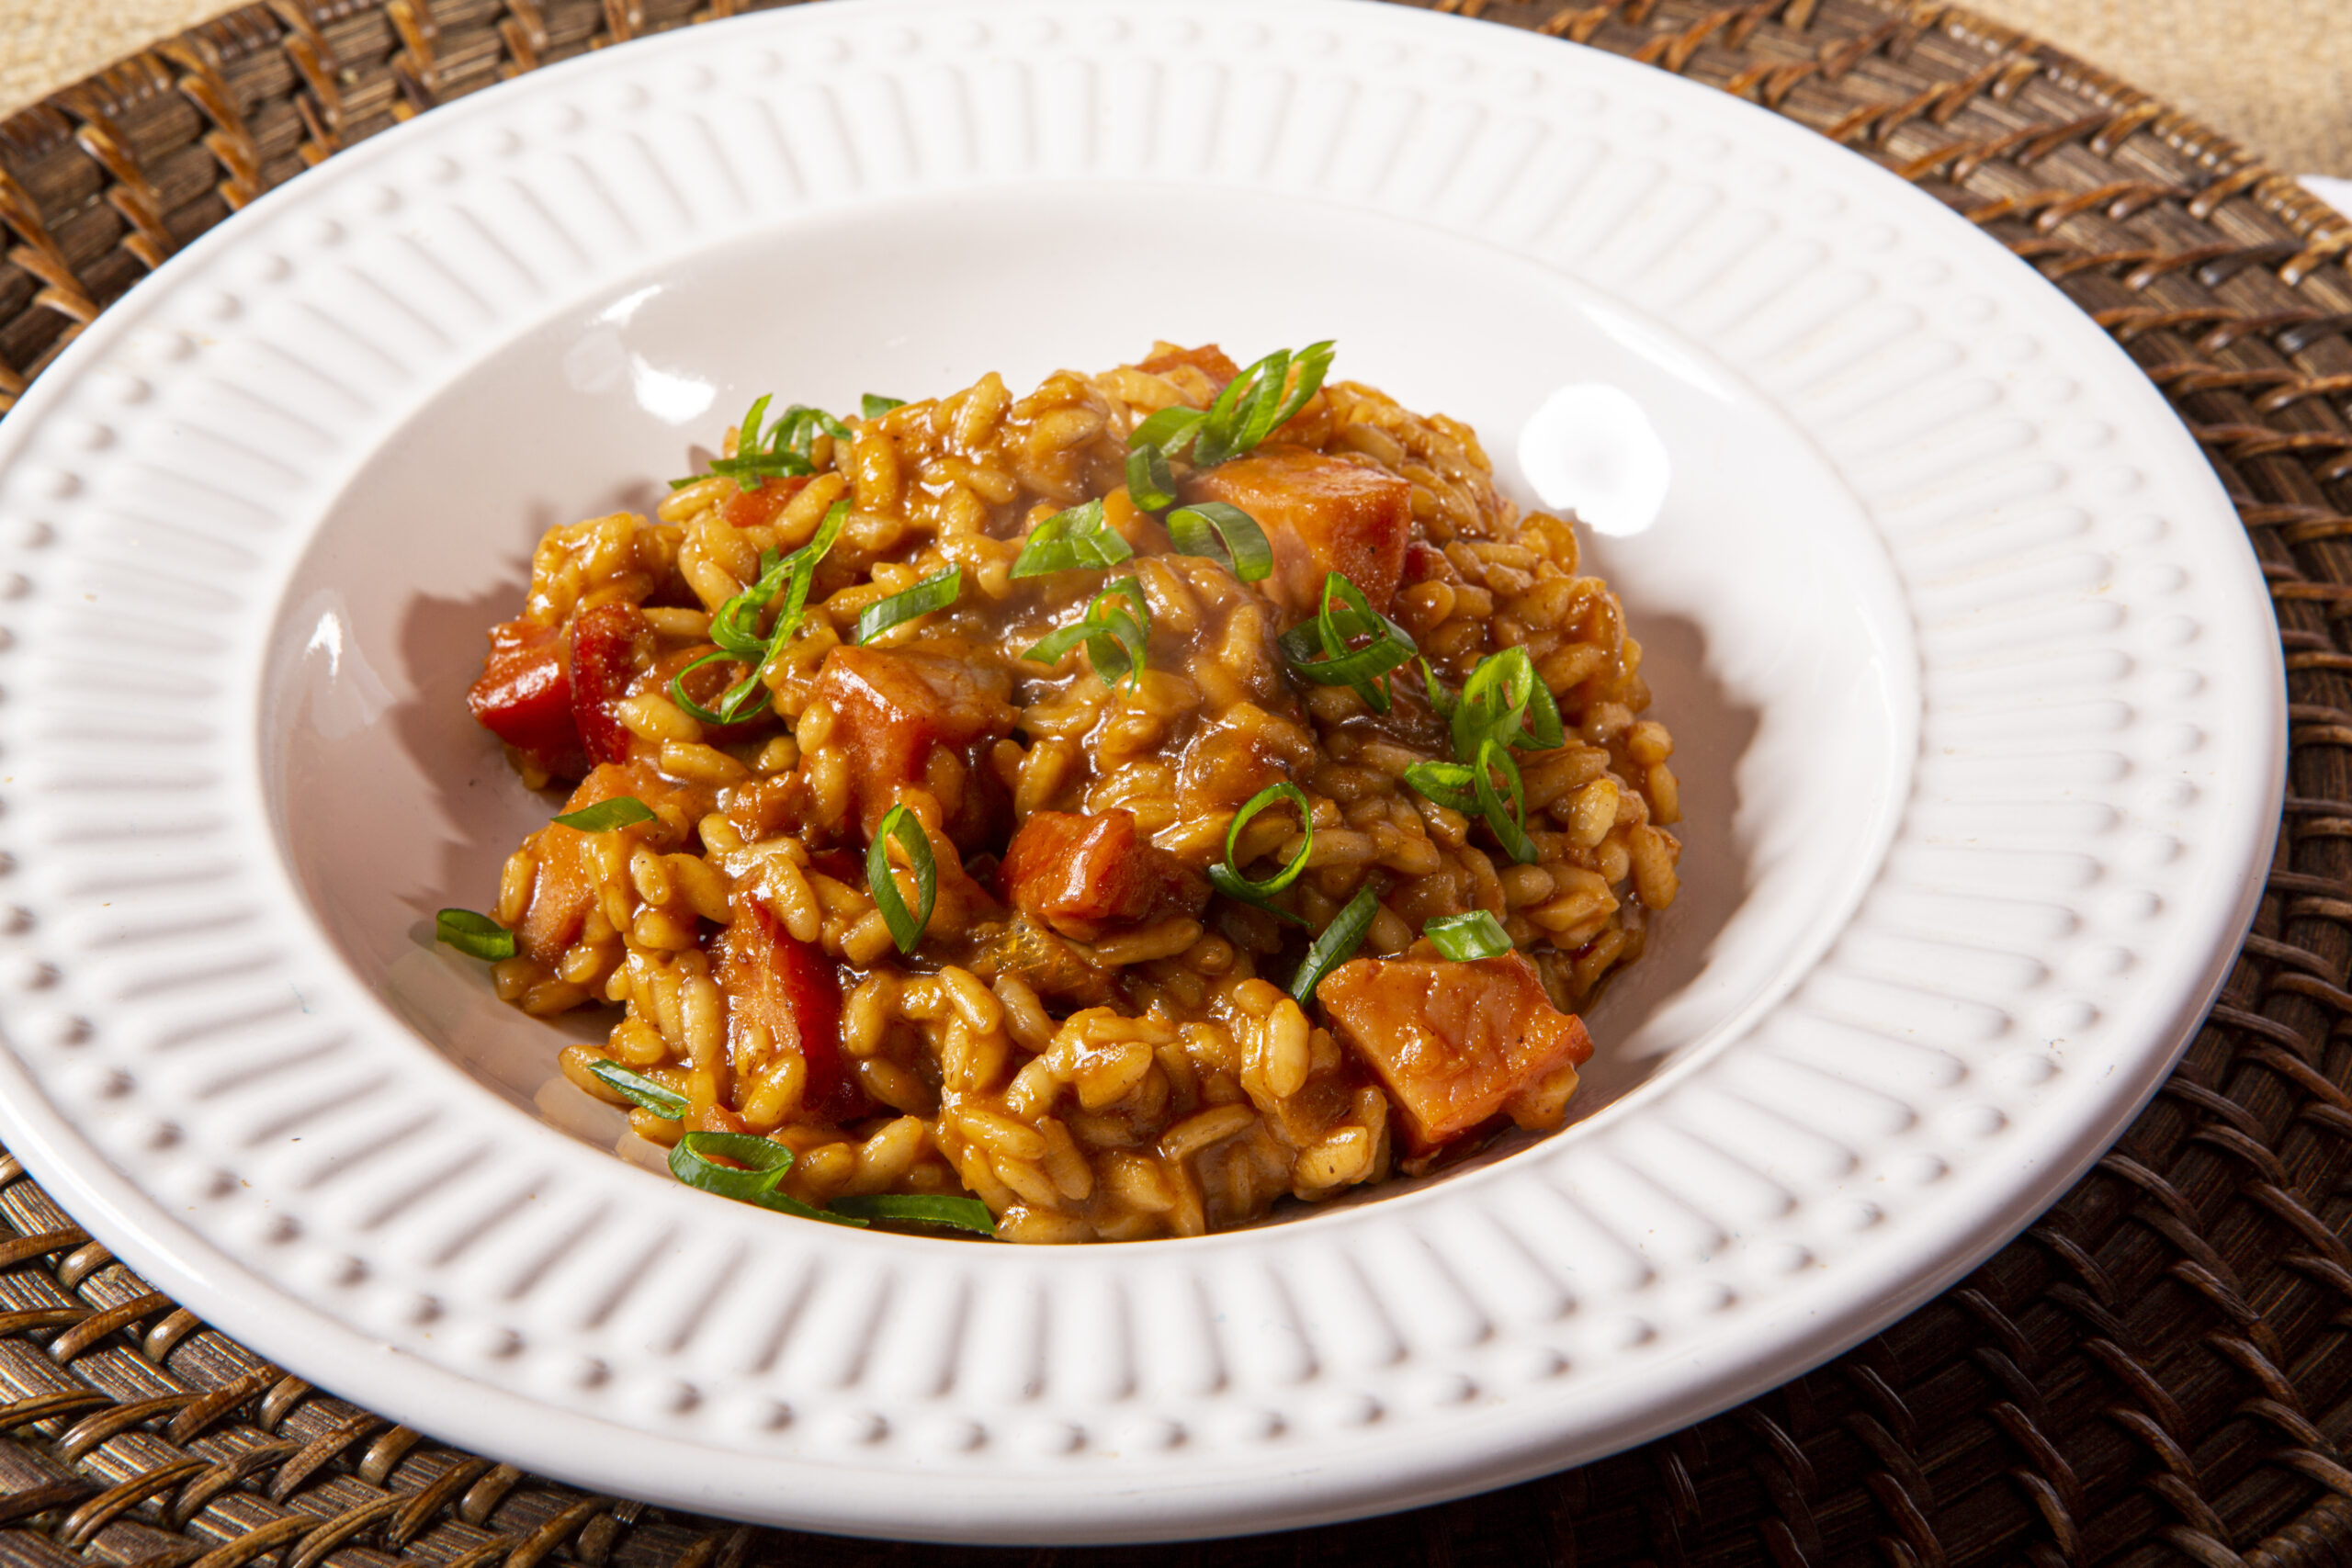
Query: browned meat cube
x=1457, y=1044
x=916, y=718
x=1208, y=359
x=1084, y=875
x=1322, y=514
x=566, y=880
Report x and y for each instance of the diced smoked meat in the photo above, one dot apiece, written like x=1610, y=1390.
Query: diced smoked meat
x=1322, y=514
x=1208, y=359
x=1457, y=1043
x=569, y=871
x=916, y=718
x=525, y=695
x=1084, y=875
x=758, y=508
x=610, y=645
x=784, y=996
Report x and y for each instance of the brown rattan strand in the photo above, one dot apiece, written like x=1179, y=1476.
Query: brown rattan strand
x=2159, y=1371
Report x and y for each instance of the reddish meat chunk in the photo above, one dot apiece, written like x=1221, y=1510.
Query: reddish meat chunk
x=790, y=991
x=915, y=718
x=1457, y=1044
x=1208, y=359
x=610, y=645
x=564, y=887
x=525, y=695
x=757, y=508
x=1083, y=874
x=1322, y=514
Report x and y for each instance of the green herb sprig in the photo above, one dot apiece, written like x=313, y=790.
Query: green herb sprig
x=1115, y=628
x=735, y=628
x=475, y=935
x=1227, y=877
x=1318, y=651
x=906, y=925
x=1467, y=936
x=779, y=451
x=932, y=593
x=1075, y=539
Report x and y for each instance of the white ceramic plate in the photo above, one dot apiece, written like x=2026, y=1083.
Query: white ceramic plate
x=1979, y=704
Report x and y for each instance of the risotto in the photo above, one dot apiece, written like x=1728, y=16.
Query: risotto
x=1096, y=813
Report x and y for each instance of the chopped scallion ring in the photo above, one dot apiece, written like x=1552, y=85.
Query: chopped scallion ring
x=735, y=628
x=958, y=1213
x=783, y=450
x=1363, y=668
x=640, y=1091
x=1115, y=636
x=1151, y=485
x=1442, y=702
x=1169, y=430
x=738, y=703
x=932, y=593
x=621, y=811
x=1073, y=540
x=1465, y=937
x=906, y=927
x=1505, y=700
x=1256, y=401
x=1217, y=530
x=763, y=1166
x=1448, y=783
x=1337, y=944
x=476, y=936
x=1507, y=822
x=1227, y=877
x=874, y=405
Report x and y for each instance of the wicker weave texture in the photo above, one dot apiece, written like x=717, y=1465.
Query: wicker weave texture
x=2159, y=1371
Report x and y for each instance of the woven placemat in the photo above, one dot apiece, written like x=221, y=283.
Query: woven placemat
x=2159, y=1371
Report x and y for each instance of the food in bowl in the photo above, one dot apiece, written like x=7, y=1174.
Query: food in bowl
x=1094, y=815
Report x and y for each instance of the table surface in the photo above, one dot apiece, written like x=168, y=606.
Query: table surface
x=2275, y=73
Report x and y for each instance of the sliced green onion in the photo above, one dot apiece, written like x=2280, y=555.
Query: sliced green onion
x=932, y=593
x=640, y=1091
x=906, y=927
x=1465, y=937
x=1506, y=821
x=1448, y=783
x=1337, y=944
x=763, y=1166
x=476, y=936
x=735, y=627
x=1256, y=401
x=1365, y=668
x=1115, y=636
x=621, y=811
x=1171, y=430
x=1227, y=877
x=1151, y=484
x=1442, y=702
x=1505, y=700
x=1217, y=530
x=1073, y=540
x=779, y=451
x=874, y=405
x=957, y=1213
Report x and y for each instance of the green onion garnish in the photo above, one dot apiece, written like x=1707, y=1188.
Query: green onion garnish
x=1167, y=432
x=778, y=451
x=1506, y=822
x=1227, y=877
x=906, y=929
x=1073, y=540
x=639, y=1090
x=1365, y=668
x=476, y=936
x=1504, y=700
x=1337, y=944
x=1115, y=636
x=764, y=1164
x=1244, y=415
x=736, y=625
x=1442, y=702
x=1217, y=530
x=931, y=593
x=1465, y=937
x=874, y=405
x=958, y=1213
x=621, y=811
x=1469, y=788
x=1151, y=484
